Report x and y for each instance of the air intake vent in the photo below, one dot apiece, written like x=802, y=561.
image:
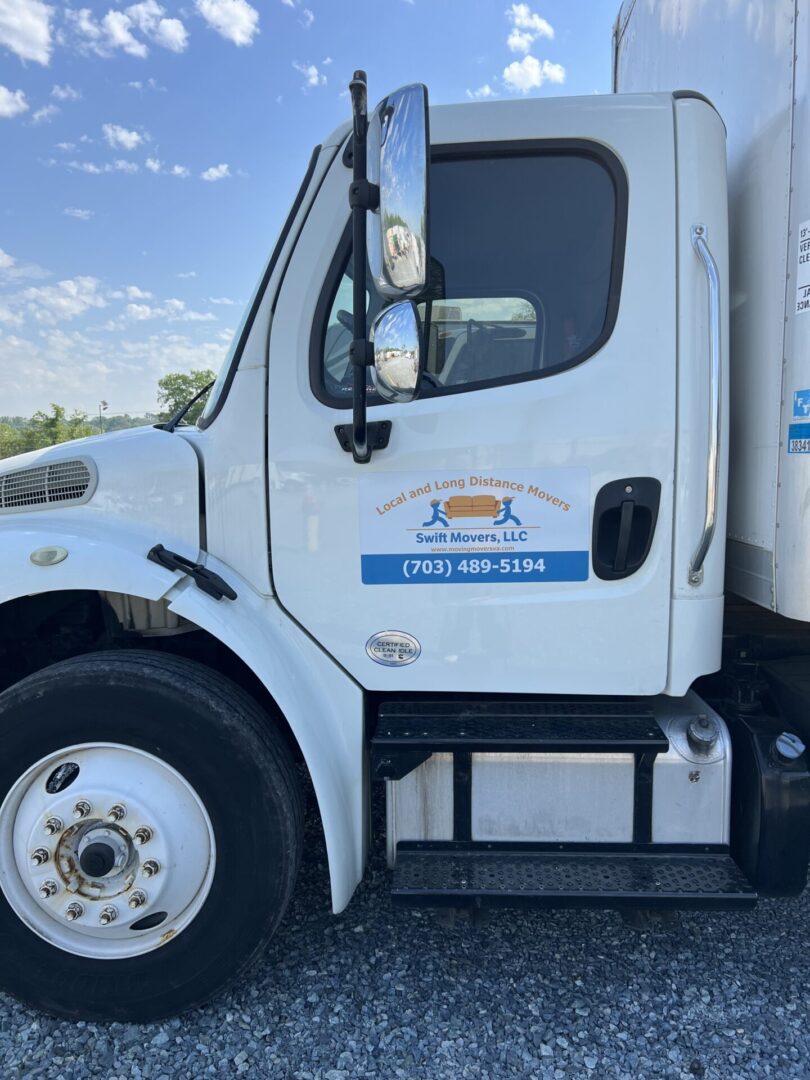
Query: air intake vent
x=58, y=483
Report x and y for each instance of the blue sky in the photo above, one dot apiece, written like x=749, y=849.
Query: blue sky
x=150, y=152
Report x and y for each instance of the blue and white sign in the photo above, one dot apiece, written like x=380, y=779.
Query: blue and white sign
x=801, y=404
x=497, y=526
x=799, y=438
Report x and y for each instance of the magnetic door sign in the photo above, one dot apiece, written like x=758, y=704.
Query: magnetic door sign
x=467, y=527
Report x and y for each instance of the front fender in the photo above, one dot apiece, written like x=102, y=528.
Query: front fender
x=321, y=703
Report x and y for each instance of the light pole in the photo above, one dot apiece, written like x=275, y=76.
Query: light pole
x=102, y=408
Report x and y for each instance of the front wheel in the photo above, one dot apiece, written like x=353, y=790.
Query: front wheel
x=150, y=835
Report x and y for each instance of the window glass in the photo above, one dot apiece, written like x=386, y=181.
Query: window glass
x=521, y=261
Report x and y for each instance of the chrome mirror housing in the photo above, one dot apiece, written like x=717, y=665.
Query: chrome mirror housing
x=397, y=340
x=398, y=158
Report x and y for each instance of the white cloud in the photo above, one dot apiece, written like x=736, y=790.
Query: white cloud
x=12, y=102
x=118, y=30
x=527, y=74
x=75, y=212
x=25, y=28
x=180, y=171
x=121, y=138
x=45, y=114
x=12, y=269
x=63, y=301
x=482, y=93
x=172, y=310
x=216, y=172
x=188, y=274
x=523, y=18
x=235, y=20
x=220, y=300
x=135, y=293
x=66, y=146
x=119, y=165
x=312, y=76
x=65, y=93
x=154, y=165
x=307, y=18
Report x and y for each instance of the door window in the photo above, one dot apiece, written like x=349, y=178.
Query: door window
x=525, y=272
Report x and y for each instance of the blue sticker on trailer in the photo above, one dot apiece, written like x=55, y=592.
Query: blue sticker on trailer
x=798, y=439
x=801, y=404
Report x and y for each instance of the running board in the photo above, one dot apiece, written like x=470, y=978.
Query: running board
x=594, y=879
x=409, y=732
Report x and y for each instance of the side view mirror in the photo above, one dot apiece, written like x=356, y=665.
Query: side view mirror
x=398, y=156
x=397, y=341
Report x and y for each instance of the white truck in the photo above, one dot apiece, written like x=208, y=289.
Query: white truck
x=478, y=557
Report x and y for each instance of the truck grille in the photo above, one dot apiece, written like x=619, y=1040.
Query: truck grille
x=55, y=484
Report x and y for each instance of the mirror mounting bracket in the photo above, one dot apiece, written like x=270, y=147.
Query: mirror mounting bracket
x=360, y=446
x=378, y=434
x=364, y=194
x=361, y=353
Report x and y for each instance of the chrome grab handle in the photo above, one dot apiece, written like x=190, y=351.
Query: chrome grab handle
x=699, y=235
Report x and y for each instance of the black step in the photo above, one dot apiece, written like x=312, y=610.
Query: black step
x=408, y=732
x=570, y=879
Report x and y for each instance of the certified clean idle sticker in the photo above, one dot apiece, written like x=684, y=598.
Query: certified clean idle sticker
x=393, y=648
x=466, y=527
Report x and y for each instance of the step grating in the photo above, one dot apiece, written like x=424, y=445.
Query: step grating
x=572, y=879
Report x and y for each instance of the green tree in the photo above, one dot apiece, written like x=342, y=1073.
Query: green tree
x=17, y=436
x=176, y=389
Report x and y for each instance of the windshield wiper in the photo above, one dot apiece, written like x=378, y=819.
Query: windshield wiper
x=173, y=421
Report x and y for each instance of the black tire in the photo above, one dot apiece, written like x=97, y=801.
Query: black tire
x=222, y=743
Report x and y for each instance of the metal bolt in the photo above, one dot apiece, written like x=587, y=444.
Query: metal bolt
x=694, y=776
x=108, y=915
x=48, y=889
x=117, y=812
x=40, y=856
x=82, y=808
x=53, y=825
x=703, y=732
x=143, y=835
x=150, y=868
x=138, y=899
x=74, y=911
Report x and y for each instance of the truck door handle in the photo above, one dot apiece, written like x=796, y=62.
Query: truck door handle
x=624, y=518
x=699, y=235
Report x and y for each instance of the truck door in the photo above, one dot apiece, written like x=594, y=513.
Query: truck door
x=515, y=533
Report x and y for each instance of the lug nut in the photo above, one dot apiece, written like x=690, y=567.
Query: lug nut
x=48, y=889
x=138, y=899
x=74, y=911
x=108, y=915
x=150, y=868
x=143, y=835
x=117, y=812
x=82, y=808
x=40, y=856
x=53, y=825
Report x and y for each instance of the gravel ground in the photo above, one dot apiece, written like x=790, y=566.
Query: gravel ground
x=378, y=992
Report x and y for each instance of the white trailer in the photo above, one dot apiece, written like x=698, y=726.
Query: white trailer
x=482, y=563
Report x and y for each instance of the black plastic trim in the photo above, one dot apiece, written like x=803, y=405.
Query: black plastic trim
x=259, y=297
x=586, y=148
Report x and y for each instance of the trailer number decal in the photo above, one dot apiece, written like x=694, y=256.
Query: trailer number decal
x=799, y=438
x=503, y=525
x=803, y=270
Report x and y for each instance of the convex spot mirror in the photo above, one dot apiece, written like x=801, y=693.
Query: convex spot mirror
x=397, y=339
x=398, y=157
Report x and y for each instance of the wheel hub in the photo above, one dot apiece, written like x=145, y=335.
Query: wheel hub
x=131, y=869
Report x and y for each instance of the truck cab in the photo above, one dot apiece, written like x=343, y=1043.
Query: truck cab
x=452, y=523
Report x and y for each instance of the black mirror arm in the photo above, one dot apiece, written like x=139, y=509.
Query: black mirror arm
x=360, y=194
